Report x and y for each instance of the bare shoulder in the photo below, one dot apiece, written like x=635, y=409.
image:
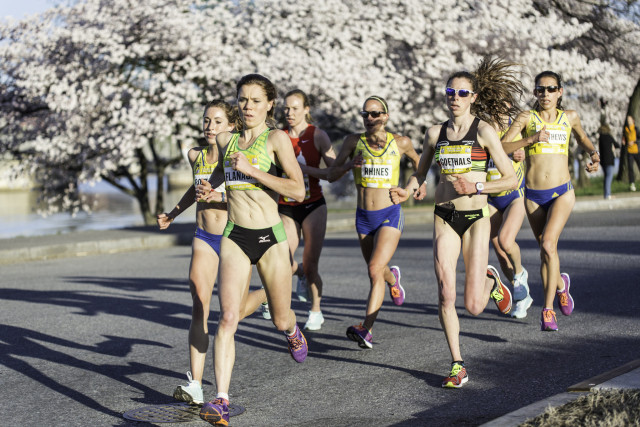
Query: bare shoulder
x=193, y=153
x=433, y=133
x=223, y=139
x=572, y=115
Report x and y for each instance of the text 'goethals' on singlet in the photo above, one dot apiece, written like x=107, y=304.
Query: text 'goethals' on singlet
x=559, y=134
x=461, y=156
x=380, y=168
x=257, y=156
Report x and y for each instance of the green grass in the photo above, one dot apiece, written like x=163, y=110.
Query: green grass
x=596, y=187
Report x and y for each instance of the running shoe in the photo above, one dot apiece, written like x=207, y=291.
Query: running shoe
x=361, y=335
x=520, y=285
x=301, y=289
x=191, y=393
x=457, y=377
x=298, y=345
x=521, y=307
x=500, y=293
x=396, y=290
x=216, y=412
x=548, y=320
x=315, y=321
x=264, y=308
x=565, y=300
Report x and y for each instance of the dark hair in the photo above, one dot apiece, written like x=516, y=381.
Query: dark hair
x=498, y=88
x=558, y=78
x=269, y=89
x=380, y=99
x=305, y=101
x=230, y=111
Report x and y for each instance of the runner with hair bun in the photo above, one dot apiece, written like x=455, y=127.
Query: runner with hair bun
x=375, y=159
x=211, y=218
x=250, y=165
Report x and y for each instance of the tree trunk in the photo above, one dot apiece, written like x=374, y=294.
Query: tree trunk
x=633, y=110
x=142, y=192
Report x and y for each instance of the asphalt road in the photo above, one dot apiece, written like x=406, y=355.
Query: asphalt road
x=83, y=340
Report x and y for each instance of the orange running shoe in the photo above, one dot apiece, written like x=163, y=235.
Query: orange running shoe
x=500, y=293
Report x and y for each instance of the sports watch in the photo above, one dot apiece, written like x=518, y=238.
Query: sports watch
x=479, y=188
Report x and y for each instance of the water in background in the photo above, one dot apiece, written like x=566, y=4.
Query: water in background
x=113, y=209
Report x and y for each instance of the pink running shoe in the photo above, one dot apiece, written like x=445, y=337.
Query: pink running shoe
x=361, y=335
x=396, y=290
x=298, y=345
x=548, y=320
x=565, y=300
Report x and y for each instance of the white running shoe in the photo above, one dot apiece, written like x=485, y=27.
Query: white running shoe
x=191, y=393
x=315, y=321
x=264, y=308
x=521, y=307
x=301, y=289
x=520, y=285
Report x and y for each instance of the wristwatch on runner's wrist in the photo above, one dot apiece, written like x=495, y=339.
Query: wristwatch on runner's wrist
x=479, y=188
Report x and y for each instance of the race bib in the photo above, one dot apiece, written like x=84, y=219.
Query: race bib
x=236, y=180
x=455, y=159
x=376, y=173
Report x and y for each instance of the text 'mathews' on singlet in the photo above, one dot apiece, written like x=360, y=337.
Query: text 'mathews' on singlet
x=559, y=134
x=257, y=156
x=304, y=148
x=380, y=168
x=202, y=170
x=461, y=156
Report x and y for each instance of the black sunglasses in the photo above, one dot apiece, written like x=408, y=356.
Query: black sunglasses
x=374, y=114
x=463, y=93
x=539, y=90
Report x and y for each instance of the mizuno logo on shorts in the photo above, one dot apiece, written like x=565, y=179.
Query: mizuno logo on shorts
x=264, y=239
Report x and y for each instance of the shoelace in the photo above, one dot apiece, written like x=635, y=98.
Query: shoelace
x=549, y=315
x=564, y=300
x=496, y=294
x=295, y=343
x=456, y=369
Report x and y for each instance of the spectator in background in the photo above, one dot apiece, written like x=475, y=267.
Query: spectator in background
x=606, y=144
x=630, y=140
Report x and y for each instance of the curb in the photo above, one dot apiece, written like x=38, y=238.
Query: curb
x=626, y=376
x=21, y=249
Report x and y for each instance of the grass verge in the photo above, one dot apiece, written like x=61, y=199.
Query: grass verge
x=606, y=408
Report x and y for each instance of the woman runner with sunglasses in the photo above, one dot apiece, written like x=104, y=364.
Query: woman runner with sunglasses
x=254, y=233
x=375, y=159
x=461, y=147
x=546, y=131
x=311, y=145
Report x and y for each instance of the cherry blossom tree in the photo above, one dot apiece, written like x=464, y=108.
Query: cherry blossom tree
x=102, y=90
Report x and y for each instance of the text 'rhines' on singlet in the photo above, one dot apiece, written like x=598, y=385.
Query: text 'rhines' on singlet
x=380, y=168
x=559, y=134
x=202, y=170
x=257, y=156
x=462, y=156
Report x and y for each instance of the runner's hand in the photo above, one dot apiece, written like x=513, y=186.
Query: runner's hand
x=164, y=221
